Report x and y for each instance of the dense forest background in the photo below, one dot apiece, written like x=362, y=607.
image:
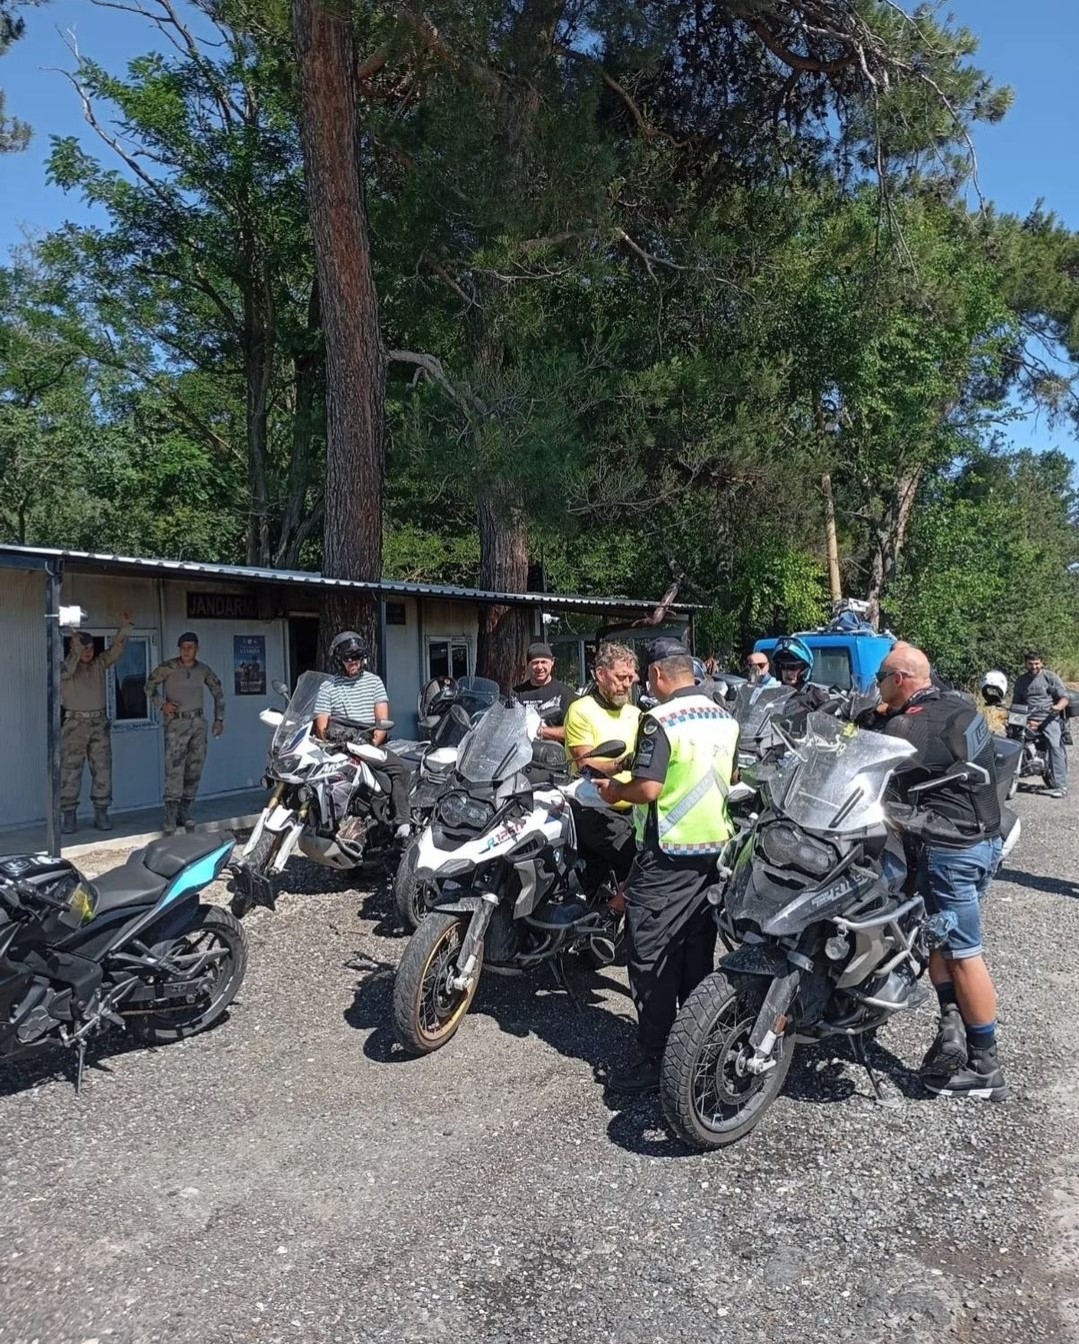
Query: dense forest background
x=594, y=295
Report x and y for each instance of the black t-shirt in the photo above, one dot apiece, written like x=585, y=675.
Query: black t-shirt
x=551, y=701
x=946, y=729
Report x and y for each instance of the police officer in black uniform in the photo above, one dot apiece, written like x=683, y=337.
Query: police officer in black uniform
x=956, y=832
x=686, y=750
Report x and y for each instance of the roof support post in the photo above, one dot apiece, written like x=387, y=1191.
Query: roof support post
x=54, y=572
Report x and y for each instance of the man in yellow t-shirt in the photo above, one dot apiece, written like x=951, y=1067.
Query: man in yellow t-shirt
x=607, y=714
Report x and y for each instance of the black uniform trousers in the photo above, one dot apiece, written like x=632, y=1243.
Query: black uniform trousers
x=400, y=773
x=672, y=938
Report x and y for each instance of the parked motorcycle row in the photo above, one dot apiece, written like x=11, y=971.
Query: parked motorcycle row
x=823, y=934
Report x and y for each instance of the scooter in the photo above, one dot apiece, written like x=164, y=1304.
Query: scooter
x=133, y=949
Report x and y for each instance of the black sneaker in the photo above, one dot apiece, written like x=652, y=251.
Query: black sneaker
x=948, y=1053
x=982, y=1078
x=641, y=1076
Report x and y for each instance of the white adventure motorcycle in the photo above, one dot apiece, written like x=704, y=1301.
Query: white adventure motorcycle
x=328, y=800
x=501, y=855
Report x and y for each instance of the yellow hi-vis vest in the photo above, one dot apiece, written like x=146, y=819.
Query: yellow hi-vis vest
x=691, y=812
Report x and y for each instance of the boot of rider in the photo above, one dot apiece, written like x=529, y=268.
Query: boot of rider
x=68, y=821
x=949, y=1049
x=101, y=817
x=981, y=1077
x=182, y=817
x=168, y=824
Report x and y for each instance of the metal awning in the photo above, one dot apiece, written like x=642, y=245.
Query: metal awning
x=37, y=557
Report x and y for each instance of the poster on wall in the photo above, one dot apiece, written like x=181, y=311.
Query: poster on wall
x=249, y=664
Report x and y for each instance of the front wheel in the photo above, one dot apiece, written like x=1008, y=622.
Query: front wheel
x=709, y=1096
x=410, y=896
x=210, y=958
x=427, y=1009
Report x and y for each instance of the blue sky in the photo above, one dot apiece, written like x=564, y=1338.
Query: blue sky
x=1033, y=154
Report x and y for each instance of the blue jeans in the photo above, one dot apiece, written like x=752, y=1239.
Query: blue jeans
x=957, y=880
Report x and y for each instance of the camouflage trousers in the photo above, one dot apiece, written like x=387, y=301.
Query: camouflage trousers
x=185, y=755
x=83, y=740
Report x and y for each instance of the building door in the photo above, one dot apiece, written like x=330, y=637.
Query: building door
x=302, y=646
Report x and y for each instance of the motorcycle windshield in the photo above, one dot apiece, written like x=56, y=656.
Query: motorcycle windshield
x=476, y=694
x=497, y=747
x=754, y=708
x=298, y=714
x=835, y=777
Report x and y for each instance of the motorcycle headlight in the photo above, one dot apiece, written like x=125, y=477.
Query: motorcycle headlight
x=787, y=847
x=462, y=812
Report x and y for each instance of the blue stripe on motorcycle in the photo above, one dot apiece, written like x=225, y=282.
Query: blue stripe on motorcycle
x=199, y=875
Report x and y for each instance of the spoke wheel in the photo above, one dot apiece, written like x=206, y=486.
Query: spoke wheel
x=410, y=896
x=427, y=1009
x=709, y=1094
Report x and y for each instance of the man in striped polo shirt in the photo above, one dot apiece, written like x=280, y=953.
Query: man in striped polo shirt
x=355, y=693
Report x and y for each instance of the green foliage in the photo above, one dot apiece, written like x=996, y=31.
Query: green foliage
x=987, y=567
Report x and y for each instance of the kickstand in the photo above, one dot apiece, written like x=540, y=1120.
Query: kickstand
x=562, y=980
x=80, y=1060
x=857, y=1046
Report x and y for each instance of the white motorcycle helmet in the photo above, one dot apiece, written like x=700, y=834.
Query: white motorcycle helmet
x=994, y=688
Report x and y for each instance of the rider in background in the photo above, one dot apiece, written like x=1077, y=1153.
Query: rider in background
x=1046, y=696
x=792, y=659
x=758, y=670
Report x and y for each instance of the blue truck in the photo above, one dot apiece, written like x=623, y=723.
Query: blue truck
x=845, y=657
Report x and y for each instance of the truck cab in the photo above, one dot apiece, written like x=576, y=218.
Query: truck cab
x=847, y=658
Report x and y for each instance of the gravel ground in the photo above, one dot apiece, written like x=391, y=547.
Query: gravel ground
x=290, y=1176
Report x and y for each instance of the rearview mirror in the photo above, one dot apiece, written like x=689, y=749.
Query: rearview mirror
x=281, y=688
x=384, y=725
x=611, y=750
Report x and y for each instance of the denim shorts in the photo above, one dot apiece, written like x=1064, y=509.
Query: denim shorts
x=957, y=880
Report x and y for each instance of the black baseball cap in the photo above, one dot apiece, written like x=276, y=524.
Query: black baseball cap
x=665, y=647
x=188, y=637
x=86, y=640
x=540, y=651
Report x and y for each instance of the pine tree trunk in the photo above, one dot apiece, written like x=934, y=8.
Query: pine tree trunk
x=891, y=536
x=355, y=361
x=503, y=633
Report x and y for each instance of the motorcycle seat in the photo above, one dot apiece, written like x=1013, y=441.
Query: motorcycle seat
x=166, y=857
x=130, y=884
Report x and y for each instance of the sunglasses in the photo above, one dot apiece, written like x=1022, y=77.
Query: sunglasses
x=759, y=666
x=883, y=676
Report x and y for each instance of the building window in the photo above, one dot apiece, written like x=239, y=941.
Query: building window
x=395, y=613
x=127, y=681
x=449, y=657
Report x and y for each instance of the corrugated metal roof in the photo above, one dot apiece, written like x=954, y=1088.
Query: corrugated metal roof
x=37, y=556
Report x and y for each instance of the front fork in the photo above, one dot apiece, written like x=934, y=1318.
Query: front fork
x=772, y=1020
x=477, y=927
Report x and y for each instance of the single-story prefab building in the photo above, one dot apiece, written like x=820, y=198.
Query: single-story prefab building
x=254, y=626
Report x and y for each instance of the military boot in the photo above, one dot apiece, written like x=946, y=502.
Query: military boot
x=182, y=818
x=949, y=1049
x=982, y=1078
x=168, y=825
x=101, y=818
x=68, y=823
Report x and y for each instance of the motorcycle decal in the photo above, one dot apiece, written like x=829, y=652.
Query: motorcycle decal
x=199, y=875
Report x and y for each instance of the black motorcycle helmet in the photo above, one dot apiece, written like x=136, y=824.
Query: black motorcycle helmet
x=348, y=644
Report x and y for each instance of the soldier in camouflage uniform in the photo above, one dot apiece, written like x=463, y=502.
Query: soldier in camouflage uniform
x=86, y=734
x=177, y=688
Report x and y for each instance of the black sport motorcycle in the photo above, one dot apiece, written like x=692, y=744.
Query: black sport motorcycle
x=830, y=943
x=134, y=948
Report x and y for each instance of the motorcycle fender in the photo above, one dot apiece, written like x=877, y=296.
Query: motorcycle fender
x=756, y=959
x=458, y=905
x=278, y=819
x=285, y=852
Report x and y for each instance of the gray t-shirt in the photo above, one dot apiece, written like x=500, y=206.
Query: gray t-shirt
x=352, y=697
x=1039, y=690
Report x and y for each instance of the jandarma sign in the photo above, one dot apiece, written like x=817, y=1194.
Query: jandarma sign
x=222, y=606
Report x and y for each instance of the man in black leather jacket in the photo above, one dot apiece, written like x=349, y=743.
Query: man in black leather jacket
x=957, y=831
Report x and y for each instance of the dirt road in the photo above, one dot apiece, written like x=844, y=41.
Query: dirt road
x=291, y=1177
